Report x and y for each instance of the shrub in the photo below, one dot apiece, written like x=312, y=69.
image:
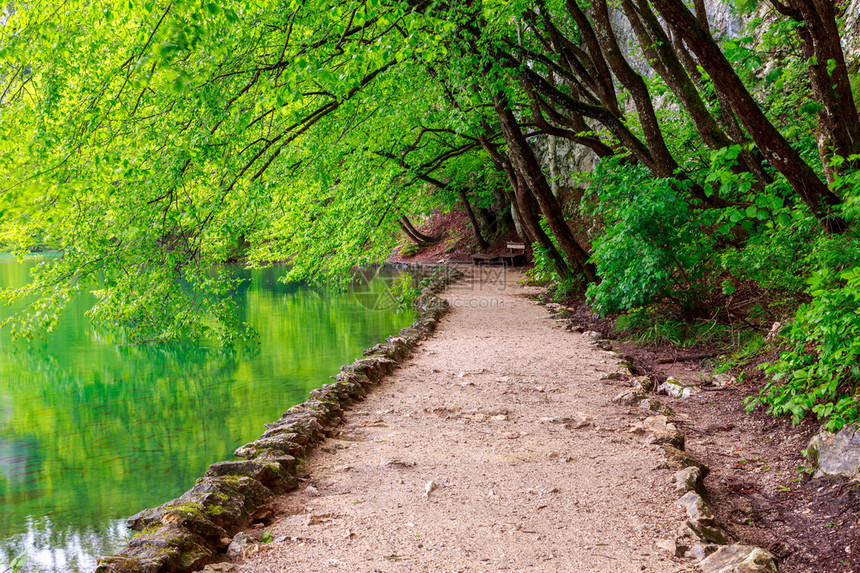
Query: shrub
x=652, y=246
x=820, y=370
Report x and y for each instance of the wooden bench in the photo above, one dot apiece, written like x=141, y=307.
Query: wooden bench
x=516, y=255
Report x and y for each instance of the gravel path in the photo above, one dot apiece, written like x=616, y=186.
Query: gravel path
x=533, y=466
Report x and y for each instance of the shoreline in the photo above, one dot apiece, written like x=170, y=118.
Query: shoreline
x=188, y=532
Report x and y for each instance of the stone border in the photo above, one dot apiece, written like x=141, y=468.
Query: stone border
x=187, y=533
x=698, y=539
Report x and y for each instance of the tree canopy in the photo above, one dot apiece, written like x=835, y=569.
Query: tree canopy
x=149, y=140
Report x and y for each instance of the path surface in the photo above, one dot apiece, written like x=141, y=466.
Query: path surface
x=479, y=410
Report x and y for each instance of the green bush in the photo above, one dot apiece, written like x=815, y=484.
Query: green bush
x=652, y=246
x=543, y=272
x=820, y=370
x=409, y=250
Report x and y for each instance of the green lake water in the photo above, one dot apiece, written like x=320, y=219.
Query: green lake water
x=92, y=431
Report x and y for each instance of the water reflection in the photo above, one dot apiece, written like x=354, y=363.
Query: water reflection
x=92, y=431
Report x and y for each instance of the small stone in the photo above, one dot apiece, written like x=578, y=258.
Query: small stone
x=836, y=454
x=739, y=559
x=397, y=463
x=699, y=551
x=430, y=488
x=697, y=509
x=612, y=376
x=239, y=543
x=673, y=388
x=689, y=479
x=629, y=398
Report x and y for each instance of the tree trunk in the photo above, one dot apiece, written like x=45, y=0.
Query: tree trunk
x=527, y=167
x=533, y=232
x=412, y=237
x=838, y=122
x=751, y=158
x=667, y=63
x=812, y=191
x=476, y=228
x=665, y=165
x=413, y=232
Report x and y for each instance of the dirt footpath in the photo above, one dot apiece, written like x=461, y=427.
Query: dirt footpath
x=494, y=448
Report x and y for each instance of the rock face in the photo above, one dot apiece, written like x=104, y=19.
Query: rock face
x=836, y=454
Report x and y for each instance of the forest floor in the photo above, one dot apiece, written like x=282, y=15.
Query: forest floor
x=501, y=416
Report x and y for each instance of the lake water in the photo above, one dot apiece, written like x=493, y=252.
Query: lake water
x=92, y=431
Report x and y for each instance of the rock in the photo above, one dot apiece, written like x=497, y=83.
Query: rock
x=774, y=332
x=697, y=509
x=192, y=517
x=643, y=383
x=723, y=380
x=122, y=564
x=655, y=406
x=577, y=421
x=592, y=334
x=629, y=398
x=671, y=547
x=703, y=532
x=268, y=474
x=836, y=454
x=739, y=559
x=672, y=387
x=140, y=520
x=662, y=432
x=430, y=488
x=240, y=542
x=699, y=551
x=676, y=459
x=602, y=344
x=658, y=424
x=674, y=439
x=612, y=376
x=689, y=479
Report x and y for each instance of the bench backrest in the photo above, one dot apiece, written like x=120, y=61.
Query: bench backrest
x=516, y=246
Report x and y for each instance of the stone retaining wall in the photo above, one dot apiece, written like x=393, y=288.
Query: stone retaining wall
x=188, y=532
